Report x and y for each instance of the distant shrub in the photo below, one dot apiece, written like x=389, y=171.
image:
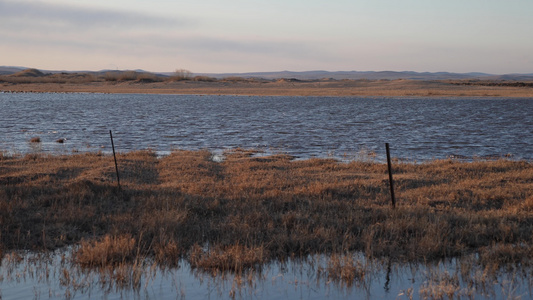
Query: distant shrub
x=235, y=79
x=111, y=76
x=72, y=78
x=132, y=76
x=204, y=78
x=149, y=77
x=181, y=74
x=128, y=76
x=51, y=78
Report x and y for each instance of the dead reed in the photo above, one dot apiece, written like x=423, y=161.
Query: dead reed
x=235, y=258
x=344, y=269
x=245, y=211
x=107, y=251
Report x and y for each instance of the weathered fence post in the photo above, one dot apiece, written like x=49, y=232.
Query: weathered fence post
x=390, y=177
x=115, y=156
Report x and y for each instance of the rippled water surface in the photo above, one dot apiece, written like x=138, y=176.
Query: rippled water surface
x=417, y=129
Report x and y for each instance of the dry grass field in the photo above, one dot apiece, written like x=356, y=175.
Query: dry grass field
x=246, y=211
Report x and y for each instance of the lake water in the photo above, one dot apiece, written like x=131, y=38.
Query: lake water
x=341, y=127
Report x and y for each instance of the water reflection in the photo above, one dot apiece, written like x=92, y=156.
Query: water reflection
x=54, y=276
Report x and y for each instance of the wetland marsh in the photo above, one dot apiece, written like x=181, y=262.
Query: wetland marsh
x=209, y=211
x=242, y=214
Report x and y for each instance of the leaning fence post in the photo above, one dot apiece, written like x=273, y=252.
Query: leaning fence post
x=115, y=156
x=390, y=177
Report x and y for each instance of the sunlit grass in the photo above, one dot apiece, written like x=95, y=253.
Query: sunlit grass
x=247, y=211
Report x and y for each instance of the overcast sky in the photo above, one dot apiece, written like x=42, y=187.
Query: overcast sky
x=492, y=36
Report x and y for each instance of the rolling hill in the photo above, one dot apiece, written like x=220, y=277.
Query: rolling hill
x=320, y=74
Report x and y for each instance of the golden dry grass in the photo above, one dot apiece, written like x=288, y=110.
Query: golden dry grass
x=107, y=251
x=246, y=211
x=182, y=82
x=147, y=84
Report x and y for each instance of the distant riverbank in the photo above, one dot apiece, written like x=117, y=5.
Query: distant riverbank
x=285, y=87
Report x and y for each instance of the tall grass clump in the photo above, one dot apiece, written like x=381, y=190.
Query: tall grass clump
x=106, y=251
x=234, y=258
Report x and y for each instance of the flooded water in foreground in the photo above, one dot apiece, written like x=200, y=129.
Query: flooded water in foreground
x=342, y=127
x=39, y=276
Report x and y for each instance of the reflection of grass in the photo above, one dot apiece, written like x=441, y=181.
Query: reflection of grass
x=467, y=280
x=339, y=274
x=345, y=269
x=252, y=210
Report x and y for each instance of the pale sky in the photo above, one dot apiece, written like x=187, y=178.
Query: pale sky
x=492, y=36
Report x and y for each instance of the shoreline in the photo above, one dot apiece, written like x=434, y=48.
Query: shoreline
x=333, y=88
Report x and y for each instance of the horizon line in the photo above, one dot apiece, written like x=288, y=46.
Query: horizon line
x=268, y=72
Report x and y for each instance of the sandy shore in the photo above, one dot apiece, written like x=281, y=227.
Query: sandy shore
x=392, y=88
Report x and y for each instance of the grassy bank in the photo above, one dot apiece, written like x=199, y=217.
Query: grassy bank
x=246, y=211
x=282, y=87
x=183, y=82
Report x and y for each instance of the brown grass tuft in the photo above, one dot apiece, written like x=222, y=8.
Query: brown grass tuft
x=234, y=258
x=168, y=253
x=106, y=251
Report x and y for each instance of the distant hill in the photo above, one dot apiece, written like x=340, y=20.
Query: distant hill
x=10, y=70
x=29, y=73
x=319, y=74
x=372, y=75
x=511, y=77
